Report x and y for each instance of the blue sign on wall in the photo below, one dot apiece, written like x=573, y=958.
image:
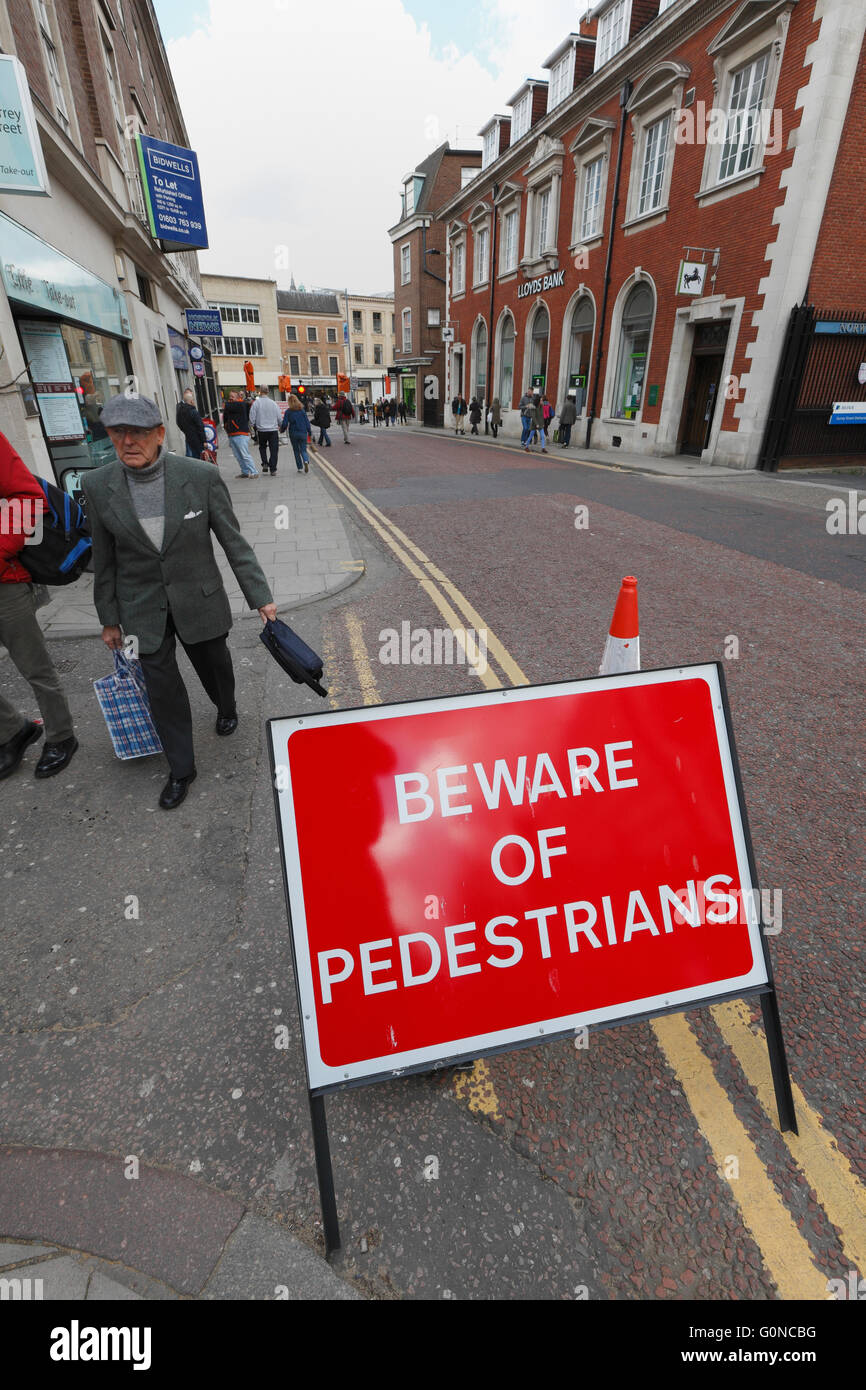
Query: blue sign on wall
x=172, y=191
x=204, y=323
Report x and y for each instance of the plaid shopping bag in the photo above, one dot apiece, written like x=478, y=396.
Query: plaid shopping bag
x=124, y=703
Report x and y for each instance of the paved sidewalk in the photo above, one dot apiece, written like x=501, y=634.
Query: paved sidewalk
x=292, y=523
x=90, y=1229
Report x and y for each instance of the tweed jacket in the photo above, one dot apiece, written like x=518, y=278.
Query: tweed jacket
x=135, y=585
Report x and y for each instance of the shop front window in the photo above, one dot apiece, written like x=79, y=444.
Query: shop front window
x=480, y=389
x=99, y=372
x=637, y=321
x=579, y=348
x=538, y=358
x=506, y=363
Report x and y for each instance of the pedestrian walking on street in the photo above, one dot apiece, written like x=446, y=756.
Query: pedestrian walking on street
x=155, y=574
x=392, y=411
x=376, y=412
x=494, y=416
x=265, y=418
x=191, y=425
x=345, y=415
x=567, y=417
x=474, y=415
x=297, y=422
x=322, y=419
x=537, y=409
x=458, y=410
x=21, y=634
x=236, y=422
x=525, y=407
x=549, y=413
x=403, y=412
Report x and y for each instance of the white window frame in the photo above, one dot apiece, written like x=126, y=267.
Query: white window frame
x=521, y=116
x=333, y=365
x=613, y=29
x=655, y=145
x=543, y=177
x=510, y=254
x=561, y=79
x=406, y=326
x=658, y=95
x=458, y=260
x=734, y=48
x=591, y=143
x=406, y=263
x=294, y=363
x=408, y=197
x=378, y=355
x=591, y=205
x=467, y=173
x=314, y=370
x=481, y=254
x=490, y=143
x=331, y=335
x=312, y=333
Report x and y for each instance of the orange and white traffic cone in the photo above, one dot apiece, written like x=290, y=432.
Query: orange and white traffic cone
x=622, y=649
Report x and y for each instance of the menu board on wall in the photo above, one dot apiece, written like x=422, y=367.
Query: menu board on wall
x=45, y=352
x=60, y=416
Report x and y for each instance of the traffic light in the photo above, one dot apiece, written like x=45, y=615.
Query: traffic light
x=301, y=391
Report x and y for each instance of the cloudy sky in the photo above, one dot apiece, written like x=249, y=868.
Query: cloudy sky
x=306, y=116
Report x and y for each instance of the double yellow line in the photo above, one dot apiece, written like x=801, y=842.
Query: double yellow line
x=785, y=1251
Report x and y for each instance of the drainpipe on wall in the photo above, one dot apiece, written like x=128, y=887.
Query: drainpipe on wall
x=488, y=396
x=624, y=96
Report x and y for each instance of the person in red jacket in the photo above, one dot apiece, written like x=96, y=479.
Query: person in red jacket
x=20, y=507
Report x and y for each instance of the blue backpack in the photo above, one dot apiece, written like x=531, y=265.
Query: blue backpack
x=64, y=551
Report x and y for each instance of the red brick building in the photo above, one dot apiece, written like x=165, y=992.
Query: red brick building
x=649, y=219
x=419, y=243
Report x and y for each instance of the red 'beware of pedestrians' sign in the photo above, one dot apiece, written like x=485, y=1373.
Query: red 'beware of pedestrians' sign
x=472, y=873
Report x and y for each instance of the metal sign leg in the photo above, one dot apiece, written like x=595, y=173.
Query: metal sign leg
x=778, y=1062
x=325, y=1175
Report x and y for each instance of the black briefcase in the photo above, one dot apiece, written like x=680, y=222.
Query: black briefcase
x=292, y=653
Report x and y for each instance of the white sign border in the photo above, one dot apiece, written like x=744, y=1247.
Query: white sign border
x=29, y=119
x=323, y=1076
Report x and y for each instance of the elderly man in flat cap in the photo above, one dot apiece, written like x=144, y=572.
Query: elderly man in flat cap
x=156, y=577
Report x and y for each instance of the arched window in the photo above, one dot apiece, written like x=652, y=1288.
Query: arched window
x=506, y=362
x=479, y=388
x=637, y=320
x=579, y=349
x=538, y=355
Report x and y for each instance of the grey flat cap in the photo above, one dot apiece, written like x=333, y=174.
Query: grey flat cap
x=131, y=410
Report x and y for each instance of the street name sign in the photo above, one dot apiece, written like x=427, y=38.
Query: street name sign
x=22, y=167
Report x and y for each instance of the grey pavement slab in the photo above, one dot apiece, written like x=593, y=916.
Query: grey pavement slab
x=60, y=1280
x=17, y=1254
x=161, y=1223
x=262, y=1262
x=104, y=1290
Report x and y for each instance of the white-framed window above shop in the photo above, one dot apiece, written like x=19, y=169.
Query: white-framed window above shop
x=467, y=174
x=434, y=318
x=407, y=330
x=458, y=263
x=490, y=144
x=377, y=355
x=543, y=184
x=591, y=152
x=294, y=364
x=743, y=126
x=612, y=35
x=47, y=22
x=239, y=347
x=314, y=365
x=653, y=108
x=332, y=335
x=590, y=203
x=510, y=236
x=240, y=313
x=521, y=116
x=332, y=366
x=312, y=333
x=405, y=264
x=481, y=262
x=561, y=78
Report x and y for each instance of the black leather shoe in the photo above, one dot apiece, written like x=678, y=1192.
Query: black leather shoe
x=55, y=757
x=226, y=724
x=175, y=790
x=12, y=752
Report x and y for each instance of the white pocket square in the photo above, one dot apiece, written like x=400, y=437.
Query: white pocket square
x=189, y=515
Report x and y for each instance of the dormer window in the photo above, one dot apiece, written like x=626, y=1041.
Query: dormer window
x=409, y=196
x=613, y=27
x=491, y=146
x=522, y=114
x=561, y=79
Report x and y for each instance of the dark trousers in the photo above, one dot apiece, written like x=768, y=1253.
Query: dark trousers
x=22, y=637
x=564, y=434
x=169, y=701
x=269, y=439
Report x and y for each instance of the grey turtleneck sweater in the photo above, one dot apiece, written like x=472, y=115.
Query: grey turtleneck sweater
x=147, y=494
